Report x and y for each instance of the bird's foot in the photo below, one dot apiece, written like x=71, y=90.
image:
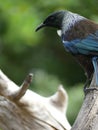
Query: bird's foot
x=87, y=90
x=86, y=86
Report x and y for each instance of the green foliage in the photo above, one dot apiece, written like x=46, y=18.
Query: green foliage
x=44, y=83
x=23, y=51
x=76, y=97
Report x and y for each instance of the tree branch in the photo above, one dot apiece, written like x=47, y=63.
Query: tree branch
x=23, y=88
x=23, y=109
x=87, y=118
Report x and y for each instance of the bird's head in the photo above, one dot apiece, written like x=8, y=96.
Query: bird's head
x=53, y=20
x=62, y=20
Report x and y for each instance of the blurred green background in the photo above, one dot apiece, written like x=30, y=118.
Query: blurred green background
x=22, y=50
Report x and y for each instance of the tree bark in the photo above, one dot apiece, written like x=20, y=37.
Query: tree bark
x=87, y=118
x=23, y=109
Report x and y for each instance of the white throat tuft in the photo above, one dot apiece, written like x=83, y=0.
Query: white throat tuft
x=59, y=32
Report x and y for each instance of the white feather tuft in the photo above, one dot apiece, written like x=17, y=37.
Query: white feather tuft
x=59, y=32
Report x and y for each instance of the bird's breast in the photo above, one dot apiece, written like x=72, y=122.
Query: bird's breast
x=69, y=45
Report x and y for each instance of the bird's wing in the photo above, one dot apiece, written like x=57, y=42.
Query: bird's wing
x=86, y=46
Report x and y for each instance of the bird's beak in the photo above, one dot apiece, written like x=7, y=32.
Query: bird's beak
x=40, y=26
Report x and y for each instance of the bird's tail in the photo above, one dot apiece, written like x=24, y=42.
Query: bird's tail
x=95, y=64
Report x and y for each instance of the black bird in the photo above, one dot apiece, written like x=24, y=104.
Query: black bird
x=79, y=36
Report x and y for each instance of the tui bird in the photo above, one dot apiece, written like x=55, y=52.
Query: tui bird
x=79, y=36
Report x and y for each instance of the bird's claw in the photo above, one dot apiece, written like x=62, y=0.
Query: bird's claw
x=86, y=89
x=88, y=81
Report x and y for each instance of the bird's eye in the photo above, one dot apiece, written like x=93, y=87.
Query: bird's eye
x=49, y=20
x=52, y=18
